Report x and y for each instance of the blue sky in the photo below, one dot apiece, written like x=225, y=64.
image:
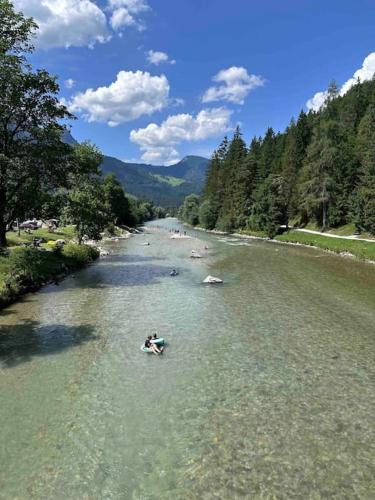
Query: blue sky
x=269, y=58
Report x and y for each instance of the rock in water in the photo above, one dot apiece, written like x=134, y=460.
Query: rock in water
x=212, y=280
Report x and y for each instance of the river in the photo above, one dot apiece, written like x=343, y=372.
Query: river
x=265, y=389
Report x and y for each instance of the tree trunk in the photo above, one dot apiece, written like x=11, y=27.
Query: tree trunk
x=3, y=238
x=324, y=216
x=3, y=224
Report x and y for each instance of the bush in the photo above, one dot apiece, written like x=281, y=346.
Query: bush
x=207, y=215
x=111, y=230
x=79, y=254
x=26, y=265
x=226, y=224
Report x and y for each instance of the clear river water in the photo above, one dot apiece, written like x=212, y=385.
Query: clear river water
x=266, y=388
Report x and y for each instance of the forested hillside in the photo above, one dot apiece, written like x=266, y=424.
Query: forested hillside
x=163, y=185
x=320, y=169
x=166, y=186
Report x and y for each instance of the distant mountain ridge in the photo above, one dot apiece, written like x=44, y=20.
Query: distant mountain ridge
x=166, y=186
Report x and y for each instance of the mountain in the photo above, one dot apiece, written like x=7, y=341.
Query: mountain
x=67, y=137
x=166, y=186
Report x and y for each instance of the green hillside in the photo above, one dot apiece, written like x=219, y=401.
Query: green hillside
x=166, y=186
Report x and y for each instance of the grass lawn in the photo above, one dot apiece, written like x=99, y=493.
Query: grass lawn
x=361, y=249
x=61, y=233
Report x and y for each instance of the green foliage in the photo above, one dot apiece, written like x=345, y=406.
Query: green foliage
x=320, y=170
x=167, y=179
x=269, y=209
x=78, y=255
x=365, y=202
x=159, y=212
x=87, y=159
x=15, y=30
x=117, y=203
x=87, y=210
x=25, y=268
x=190, y=209
x=32, y=157
x=207, y=215
x=26, y=265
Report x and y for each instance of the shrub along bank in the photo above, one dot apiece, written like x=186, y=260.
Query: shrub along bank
x=26, y=269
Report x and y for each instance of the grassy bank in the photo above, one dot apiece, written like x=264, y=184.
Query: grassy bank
x=62, y=233
x=24, y=269
x=346, y=230
x=361, y=249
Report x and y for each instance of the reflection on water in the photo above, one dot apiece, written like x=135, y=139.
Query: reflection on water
x=265, y=390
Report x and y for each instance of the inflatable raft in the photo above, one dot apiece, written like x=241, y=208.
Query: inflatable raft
x=159, y=342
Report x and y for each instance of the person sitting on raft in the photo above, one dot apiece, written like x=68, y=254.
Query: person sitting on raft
x=154, y=348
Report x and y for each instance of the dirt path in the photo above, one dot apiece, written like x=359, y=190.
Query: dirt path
x=352, y=237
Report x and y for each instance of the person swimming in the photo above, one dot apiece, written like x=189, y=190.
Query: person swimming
x=150, y=345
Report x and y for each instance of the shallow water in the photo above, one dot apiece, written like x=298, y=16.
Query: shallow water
x=265, y=389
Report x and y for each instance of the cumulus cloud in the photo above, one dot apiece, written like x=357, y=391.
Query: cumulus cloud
x=317, y=101
x=126, y=13
x=366, y=72
x=156, y=57
x=158, y=142
x=69, y=83
x=236, y=84
x=65, y=23
x=132, y=95
x=79, y=23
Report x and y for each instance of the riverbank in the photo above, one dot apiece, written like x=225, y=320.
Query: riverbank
x=26, y=269
x=364, y=250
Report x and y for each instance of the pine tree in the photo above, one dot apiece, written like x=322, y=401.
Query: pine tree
x=366, y=153
x=267, y=154
x=317, y=184
x=321, y=168
x=234, y=174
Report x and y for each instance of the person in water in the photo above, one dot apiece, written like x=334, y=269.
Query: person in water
x=154, y=348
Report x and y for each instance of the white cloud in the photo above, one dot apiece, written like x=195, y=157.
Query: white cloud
x=65, y=23
x=158, y=142
x=79, y=23
x=132, y=95
x=156, y=57
x=126, y=13
x=69, y=83
x=317, y=101
x=366, y=72
x=237, y=83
